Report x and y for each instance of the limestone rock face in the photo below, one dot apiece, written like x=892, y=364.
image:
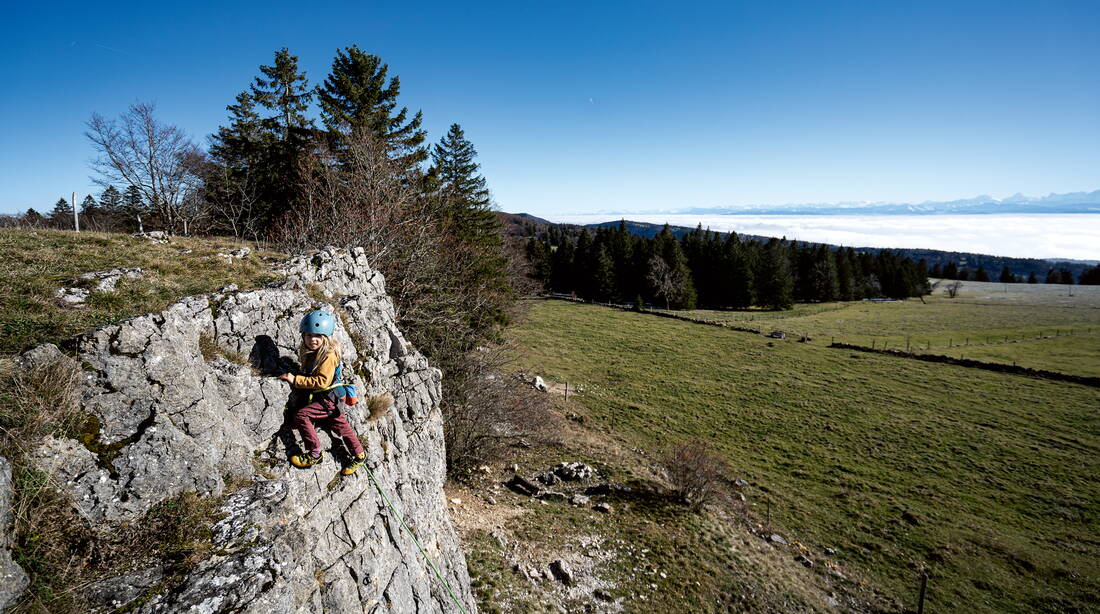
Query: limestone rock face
x=187, y=398
x=12, y=578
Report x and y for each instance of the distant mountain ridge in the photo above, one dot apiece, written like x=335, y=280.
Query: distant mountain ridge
x=1073, y=202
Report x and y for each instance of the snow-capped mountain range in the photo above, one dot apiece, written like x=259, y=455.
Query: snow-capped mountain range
x=1074, y=202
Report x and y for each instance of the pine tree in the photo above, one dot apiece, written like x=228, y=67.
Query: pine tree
x=111, y=199
x=256, y=155
x=1007, y=277
x=285, y=93
x=1091, y=276
x=981, y=274
x=1031, y=278
x=776, y=286
x=356, y=97
x=61, y=216
x=133, y=205
x=88, y=205
x=462, y=192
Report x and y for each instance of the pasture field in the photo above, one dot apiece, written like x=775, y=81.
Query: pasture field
x=991, y=481
x=978, y=323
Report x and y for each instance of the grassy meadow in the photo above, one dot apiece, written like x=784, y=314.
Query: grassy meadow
x=37, y=263
x=985, y=321
x=988, y=480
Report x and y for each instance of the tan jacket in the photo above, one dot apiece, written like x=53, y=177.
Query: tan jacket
x=321, y=376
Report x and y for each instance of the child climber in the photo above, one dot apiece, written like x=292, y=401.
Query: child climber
x=314, y=396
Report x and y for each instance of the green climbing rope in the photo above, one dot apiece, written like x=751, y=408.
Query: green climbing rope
x=416, y=541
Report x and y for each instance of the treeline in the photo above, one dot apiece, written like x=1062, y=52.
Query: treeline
x=713, y=270
x=1054, y=275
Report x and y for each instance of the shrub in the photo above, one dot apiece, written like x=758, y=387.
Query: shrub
x=697, y=474
x=487, y=411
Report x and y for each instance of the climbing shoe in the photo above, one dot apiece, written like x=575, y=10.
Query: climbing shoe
x=305, y=460
x=355, y=463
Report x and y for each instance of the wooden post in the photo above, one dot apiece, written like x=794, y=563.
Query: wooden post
x=923, y=590
x=76, y=216
x=566, y=391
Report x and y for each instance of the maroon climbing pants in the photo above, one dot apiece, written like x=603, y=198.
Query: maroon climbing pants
x=323, y=414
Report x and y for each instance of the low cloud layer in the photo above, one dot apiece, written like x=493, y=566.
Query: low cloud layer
x=1074, y=236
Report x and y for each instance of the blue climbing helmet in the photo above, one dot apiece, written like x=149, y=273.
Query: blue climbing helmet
x=318, y=322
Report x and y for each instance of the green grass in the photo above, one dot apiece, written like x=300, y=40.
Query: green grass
x=35, y=263
x=998, y=472
x=1077, y=354
x=940, y=324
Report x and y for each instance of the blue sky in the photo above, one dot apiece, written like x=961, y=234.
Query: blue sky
x=578, y=107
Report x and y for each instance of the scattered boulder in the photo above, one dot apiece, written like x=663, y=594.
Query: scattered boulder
x=740, y=483
x=579, y=500
x=777, y=539
x=561, y=570
x=154, y=236
x=777, y=334
x=235, y=255
x=97, y=281
x=804, y=560
x=603, y=507
x=539, y=384
x=523, y=486
x=574, y=471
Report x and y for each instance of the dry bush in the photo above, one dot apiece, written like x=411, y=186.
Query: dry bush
x=378, y=405
x=35, y=401
x=696, y=472
x=488, y=412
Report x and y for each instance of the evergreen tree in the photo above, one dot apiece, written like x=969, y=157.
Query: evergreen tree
x=1091, y=276
x=981, y=275
x=462, y=192
x=937, y=271
x=32, y=219
x=357, y=97
x=285, y=93
x=1007, y=277
x=61, y=216
x=1031, y=278
x=951, y=271
x=776, y=289
x=89, y=206
x=255, y=157
x=111, y=199
x=133, y=205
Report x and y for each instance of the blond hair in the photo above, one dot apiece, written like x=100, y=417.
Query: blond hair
x=312, y=359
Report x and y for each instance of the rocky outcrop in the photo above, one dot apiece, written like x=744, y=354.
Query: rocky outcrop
x=186, y=400
x=12, y=578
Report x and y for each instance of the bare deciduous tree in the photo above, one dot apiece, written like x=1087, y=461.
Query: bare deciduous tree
x=952, y=289
x=159, y=159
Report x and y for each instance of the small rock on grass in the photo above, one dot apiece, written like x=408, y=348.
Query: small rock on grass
x=603, y=507
x=776, y=538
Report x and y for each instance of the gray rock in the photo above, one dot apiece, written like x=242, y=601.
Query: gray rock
x=563, y=572
x=805, y=561
x=573, y=471
x=539, y=384
x=740, y=483
x=603, y=507
x=292, y=540
x=776, y=538
x=12, y=578
x=579, y=500
x=115, y=593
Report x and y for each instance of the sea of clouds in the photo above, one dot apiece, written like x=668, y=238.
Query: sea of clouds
x=1075, y=236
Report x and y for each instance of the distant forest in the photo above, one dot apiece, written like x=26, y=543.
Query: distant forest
x=711, y=270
